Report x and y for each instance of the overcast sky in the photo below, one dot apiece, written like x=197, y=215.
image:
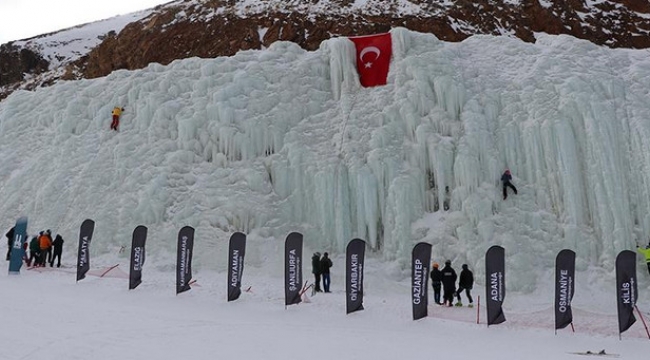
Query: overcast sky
x=21, y=19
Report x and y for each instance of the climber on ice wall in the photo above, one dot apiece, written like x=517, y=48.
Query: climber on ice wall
x=505, y=179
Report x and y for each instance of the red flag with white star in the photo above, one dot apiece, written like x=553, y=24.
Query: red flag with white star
x=373, y=58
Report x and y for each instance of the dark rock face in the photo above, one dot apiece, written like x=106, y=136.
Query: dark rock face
x=15, y=62
x=164, y=36
x=183, y=29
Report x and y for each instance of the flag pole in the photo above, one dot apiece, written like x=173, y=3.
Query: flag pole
x=642, y=320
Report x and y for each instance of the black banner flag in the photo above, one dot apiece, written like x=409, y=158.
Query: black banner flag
x=355, y=254
x=420, y=259
x=83, y=254
x=292, y=268
x=495, y=284
x=137, y=256
x=184, y=259
x=565, y=268
x=236, y=252
x=626, y=289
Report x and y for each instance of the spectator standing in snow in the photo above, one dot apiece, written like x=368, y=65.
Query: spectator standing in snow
x=117, y=111
x=448, y=283
x=315, y=269
x=325, y=265
x=645, y=252
x=436, y=282
x=34, y=252
x=57, y=245
x=465, y=282
x=45, y=245
x=505, y=179
x=47, y=256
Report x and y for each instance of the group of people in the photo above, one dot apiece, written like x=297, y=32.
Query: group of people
x=445, y=280
x=320, y=267
x=42, y=248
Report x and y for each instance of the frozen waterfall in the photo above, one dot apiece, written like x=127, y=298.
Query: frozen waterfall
x=267, y=142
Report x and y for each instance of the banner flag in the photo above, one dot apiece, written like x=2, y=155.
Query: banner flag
x=420, y=260
x=137, y=256
x=292, y=268
x=236, y=252
x=373, y=58
x=354, y=261
x=17, y=249
x=184, y=259
x=565, y=268
x=83, y=254
x=626, y=289
x=495, y=276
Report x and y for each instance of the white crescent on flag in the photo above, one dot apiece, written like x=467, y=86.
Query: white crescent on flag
x=370, y=49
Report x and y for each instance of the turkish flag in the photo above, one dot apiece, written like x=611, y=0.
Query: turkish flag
x=373, y=58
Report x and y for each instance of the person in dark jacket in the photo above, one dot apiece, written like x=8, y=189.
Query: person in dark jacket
x=315, y=269
x=436, y=282
x=465, y=282
x=325, y=265
x=505, y=179
x=57, y=246
x=34, y=252
x=448, y=283
x=10, y=241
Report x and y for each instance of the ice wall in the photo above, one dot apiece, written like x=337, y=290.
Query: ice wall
x=272, y=141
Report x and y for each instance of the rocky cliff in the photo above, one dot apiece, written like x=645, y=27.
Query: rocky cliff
x=210, y=28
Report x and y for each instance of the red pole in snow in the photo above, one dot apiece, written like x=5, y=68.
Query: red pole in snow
x=642, y=320
x=478, y=308
x=109, y=269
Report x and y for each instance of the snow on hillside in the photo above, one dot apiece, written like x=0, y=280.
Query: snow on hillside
x=279, y=140
x=68, y=45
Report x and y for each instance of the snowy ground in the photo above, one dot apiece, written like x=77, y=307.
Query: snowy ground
x=49, y=316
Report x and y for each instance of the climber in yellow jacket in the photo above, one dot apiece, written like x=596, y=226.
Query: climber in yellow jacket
x=117, y=111
x=645, y=252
